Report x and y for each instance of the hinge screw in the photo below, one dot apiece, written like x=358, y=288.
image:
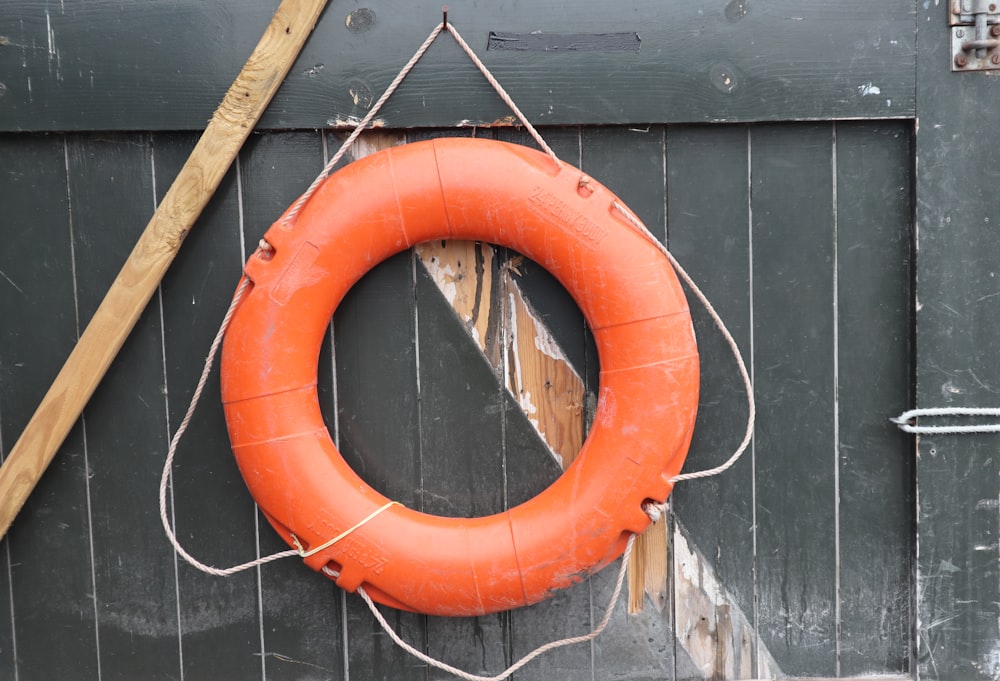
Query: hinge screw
x=995, y=59
x=960, y=33
x=995, y=30
x=961, y=60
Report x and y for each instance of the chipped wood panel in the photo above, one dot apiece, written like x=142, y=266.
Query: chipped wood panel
x=711, y=627
x=512, y=337
x=648, y=571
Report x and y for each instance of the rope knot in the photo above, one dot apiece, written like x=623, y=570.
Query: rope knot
x=654, y=510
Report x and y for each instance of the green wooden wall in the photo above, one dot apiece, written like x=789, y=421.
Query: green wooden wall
x=816, y=165
x=799, y=232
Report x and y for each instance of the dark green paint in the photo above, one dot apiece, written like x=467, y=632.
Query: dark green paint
x=794, y=447
x=165, y=66
x=706, y=207
x=876, y=484
x=708, y=222
x=377, y=410
x=111, y=186
x=958, y=573
x=42, y=597
x=215, y=614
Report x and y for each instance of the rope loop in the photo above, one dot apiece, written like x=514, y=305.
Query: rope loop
x=905, y=421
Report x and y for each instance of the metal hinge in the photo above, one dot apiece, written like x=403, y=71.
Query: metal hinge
x=975, y=35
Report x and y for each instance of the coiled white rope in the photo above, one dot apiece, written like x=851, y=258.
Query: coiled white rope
x=653, y=510
x=904, y=419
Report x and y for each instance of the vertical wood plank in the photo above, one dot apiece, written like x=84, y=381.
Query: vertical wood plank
x=793, y=278
x=874, y=177
x=530, y=466
x=958, y=478
x=47, y=555
x=111, y=185
x=708, y=220
x=462, y=460
x=212, y=510
x=379, y=434
x=377, y=421
x=302, y=618
x=630, y=162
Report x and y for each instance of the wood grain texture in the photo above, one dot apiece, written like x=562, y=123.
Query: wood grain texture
x=235, y=117
x=722, y=60
x=958, y=478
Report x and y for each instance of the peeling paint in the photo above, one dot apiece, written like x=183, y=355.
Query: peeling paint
x=869, y=88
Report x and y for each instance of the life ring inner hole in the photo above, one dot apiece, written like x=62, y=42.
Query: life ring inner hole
x=465, y=378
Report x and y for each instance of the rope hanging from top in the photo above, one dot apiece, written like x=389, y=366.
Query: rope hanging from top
x=654, y=510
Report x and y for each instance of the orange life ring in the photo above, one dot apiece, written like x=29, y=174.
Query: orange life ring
x=466, y=189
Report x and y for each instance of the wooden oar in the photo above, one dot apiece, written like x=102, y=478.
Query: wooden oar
x=232, y=122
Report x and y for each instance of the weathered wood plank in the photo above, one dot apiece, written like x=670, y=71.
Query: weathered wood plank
x=793, y=356
x=37, y=295
x=302, y=619
x=112, y=192
x=958, y=478
x=711, y=61
x=708, y=221
x=874, y=235
x=629, y=161
x=215, y=613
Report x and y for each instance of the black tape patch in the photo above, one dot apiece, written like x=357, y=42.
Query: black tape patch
x=564, y=42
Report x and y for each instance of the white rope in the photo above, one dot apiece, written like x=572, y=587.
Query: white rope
x=503, y=95
x=527, y=658
x=171, y=452
x=903, y=420
x=377, y=106
x=359, y=128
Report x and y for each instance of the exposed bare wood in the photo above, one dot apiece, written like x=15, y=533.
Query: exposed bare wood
x=463, y=272
x=709, y=624
x=540, y=377
x=648, y=569
x=138, y=279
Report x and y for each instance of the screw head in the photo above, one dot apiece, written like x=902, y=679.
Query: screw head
x=961, y=60
x=995, y=30
x=960, y=33
x=995, y=59
x=993, y=7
